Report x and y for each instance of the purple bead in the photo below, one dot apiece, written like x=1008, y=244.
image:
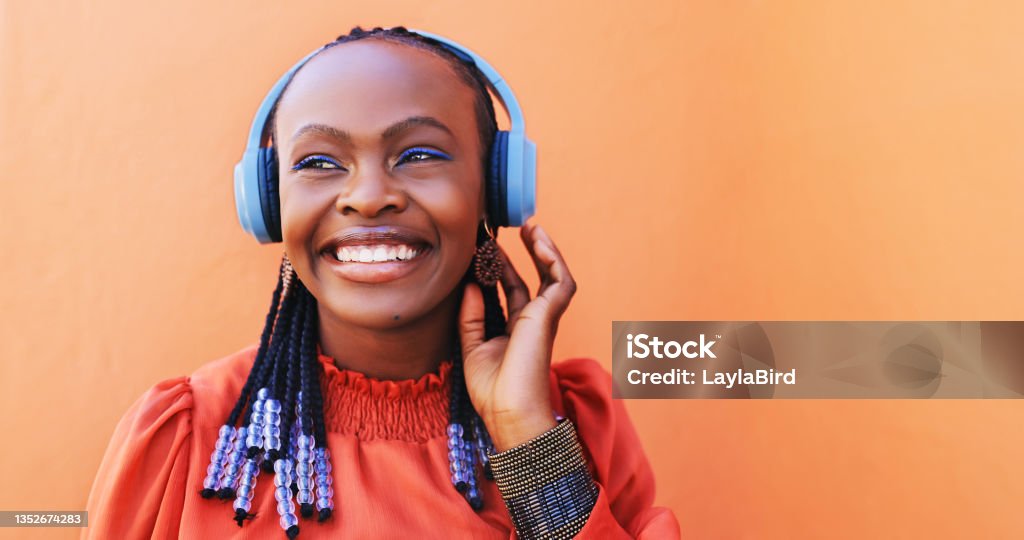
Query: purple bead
x=272, y=443
x=245, y=492
x=282, y=493
x=303, y=468
x=323, y=491
x=243, y=505
x=288, y=521
x=324, y=502
x=272, y=406
x=283, y=466
x=263, y=393
x=214, y=470
x=304, y=496
x=285, y=507
x=226, y=432
x=455, y=430
x=304, y=482
x=272, y=418
x=211, y=483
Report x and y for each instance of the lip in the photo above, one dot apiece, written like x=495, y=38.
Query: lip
x=374, y=272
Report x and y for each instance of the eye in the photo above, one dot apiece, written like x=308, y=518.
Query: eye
x=317, y=162
x=414, y=155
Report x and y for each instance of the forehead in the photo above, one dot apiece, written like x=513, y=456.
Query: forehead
x=367, y=85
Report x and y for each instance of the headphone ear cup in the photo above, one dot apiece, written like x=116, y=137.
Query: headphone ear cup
x=497, y=181
x=269, y=196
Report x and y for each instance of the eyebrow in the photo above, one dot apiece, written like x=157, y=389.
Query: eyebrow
x=392, y=130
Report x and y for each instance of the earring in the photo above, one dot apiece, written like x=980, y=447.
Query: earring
x=487, y=265
x=286, y=275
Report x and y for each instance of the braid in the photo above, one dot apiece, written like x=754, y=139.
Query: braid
x=307, y=354
x=311, y=386
x=261, y=353
x=290, y=371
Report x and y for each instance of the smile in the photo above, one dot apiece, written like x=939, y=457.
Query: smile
x=377, y=254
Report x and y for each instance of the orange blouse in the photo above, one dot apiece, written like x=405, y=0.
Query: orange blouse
x=389, y=455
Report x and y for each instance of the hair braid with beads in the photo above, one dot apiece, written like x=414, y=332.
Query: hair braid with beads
x=282, y=396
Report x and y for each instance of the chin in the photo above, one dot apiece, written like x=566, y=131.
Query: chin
x=380, y=312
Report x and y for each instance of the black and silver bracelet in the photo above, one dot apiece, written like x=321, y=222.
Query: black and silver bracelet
x=546, y=485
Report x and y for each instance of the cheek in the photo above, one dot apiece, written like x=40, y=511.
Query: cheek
x=454, y=208
x=301, y=210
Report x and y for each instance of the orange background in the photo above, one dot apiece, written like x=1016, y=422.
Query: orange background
x=698, y=160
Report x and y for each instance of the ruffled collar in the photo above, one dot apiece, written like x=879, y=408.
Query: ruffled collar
x=414, y=410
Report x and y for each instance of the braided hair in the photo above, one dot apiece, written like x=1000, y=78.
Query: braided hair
x=277, y=424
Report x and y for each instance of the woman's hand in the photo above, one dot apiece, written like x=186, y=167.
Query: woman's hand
x=508, y=377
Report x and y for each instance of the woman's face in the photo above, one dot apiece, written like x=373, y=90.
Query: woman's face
x=381, y=181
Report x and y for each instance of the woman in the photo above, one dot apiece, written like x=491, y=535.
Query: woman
x=387, y=387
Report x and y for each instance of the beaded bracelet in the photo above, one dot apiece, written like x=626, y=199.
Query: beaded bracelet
x=546, y=485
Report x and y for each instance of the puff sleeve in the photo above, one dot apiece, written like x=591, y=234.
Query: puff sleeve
x=624, y=507
x=139, y=491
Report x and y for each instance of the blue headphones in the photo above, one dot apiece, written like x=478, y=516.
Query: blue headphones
x=511, y=179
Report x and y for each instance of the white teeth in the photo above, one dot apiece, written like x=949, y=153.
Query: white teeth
x=378, y=253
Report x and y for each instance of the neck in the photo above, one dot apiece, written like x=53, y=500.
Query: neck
x=405, y=352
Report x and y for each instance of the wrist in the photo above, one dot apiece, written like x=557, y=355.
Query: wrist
x=511, y=431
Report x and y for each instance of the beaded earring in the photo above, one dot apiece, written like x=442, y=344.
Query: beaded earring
x=487, y=265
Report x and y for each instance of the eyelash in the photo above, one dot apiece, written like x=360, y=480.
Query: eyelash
x=313, y=161
x=308, y=162
x=432, y=154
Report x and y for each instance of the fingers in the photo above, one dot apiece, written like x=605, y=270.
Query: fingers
x=471, y=319
x=557, y=284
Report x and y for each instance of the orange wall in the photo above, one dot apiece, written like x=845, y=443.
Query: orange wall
x=699, y=160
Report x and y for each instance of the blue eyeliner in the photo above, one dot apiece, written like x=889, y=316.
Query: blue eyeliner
x=307, y=161
x=428, y=151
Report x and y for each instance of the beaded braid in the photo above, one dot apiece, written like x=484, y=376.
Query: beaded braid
x=282, y=396
x=221, y=477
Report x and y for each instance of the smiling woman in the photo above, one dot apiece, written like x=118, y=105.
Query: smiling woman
x=389, y=386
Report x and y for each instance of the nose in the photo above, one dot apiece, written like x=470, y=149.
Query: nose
x=370, y=191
